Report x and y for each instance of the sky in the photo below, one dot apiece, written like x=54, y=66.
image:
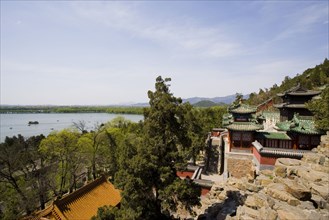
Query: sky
x=110, y=52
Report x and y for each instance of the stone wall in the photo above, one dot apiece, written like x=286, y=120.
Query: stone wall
x=295, y=189
x=239, y=166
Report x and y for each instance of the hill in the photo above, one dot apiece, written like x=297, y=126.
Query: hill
x=312, y=78
x=207, y=103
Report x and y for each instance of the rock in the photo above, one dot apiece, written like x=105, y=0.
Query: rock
x=218, y=187
x=295, y=189
x=313, y=158
x=253, y=187
x=256, y=201
x=277, y=191
x=268, y=214
x=306, y=205
x=314, y=215
x=288, y=162
x=292, y=170
x=320, y=168
x=266, y=172
x=312, y=175
x=222, y=195
x=246, y=211
x=291, y=214
x=321, y=190
x=320, y=202
x=280, y=171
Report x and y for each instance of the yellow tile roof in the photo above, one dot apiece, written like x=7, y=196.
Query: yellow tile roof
x=84, y=203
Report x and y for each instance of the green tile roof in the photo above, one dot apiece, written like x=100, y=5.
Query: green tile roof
x=284, y=126
x=244, y=126
x=242, y=109
x=298, y=125
x=273, y=135
x=306, y=127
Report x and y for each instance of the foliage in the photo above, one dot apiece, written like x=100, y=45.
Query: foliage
x=62, y=148
x=21, y=168
x=320, y=109
x=105, y=213
x=311, y=78
x=238, y=98
x=150, y=176
x=141, y=158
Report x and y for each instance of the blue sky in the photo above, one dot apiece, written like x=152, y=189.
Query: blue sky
x=110, y=52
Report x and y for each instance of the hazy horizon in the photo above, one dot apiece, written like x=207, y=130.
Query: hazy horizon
x=110, y=52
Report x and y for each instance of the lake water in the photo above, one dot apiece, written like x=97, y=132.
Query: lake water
x=14, y=124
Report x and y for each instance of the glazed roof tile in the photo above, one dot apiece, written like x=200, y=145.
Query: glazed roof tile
x=298, y=125
x=273, y=135
x=84, y=203
x=243, y=109
x=244, y=126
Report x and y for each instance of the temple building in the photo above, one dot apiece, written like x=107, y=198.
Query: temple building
x=242, y=124
x=262, y=137
x=83, y=203
x=293, y=101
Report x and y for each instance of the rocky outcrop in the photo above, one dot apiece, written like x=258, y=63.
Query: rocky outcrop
x=295, y=189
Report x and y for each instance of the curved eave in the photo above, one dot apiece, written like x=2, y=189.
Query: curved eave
x=242, y=111
x=285, y=105
x=295, y=106
x=308, y=93
x=309, y=132
x=283, y=126
x=242, y=127
x=281, y=105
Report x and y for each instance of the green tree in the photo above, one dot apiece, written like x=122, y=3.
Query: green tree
x=20, y=172
x=152, y=171
x=62, y=148
x=238, y=98
x=320, y=109
x=95, y=145
x=105, y=213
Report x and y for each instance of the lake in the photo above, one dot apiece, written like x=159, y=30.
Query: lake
x=14, y=124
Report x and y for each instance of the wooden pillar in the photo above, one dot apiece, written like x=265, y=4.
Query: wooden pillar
x=229, y=140
x=296, y=141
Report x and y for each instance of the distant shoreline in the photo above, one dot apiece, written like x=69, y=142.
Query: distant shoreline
x=72, y=109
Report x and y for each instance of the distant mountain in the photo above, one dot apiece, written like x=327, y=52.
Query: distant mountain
x=200, y=101
x=144, y=104
x=218, y=100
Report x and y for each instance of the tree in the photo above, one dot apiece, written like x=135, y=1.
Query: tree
x=105, y=213
x=81, y=126
x=20, y=170
x=95, y=145
x=152, y=171
x=320, y=109
x=238, y=98
x=62, y=148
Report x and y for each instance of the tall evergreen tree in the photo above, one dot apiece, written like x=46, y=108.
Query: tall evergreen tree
x=150, y=181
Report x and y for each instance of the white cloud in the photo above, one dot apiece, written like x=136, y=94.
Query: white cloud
x=303, y=20
x=180, y=34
